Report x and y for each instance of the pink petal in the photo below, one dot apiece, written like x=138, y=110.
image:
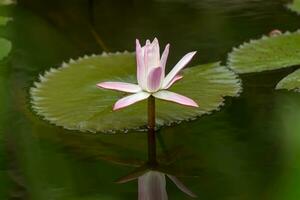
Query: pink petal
x=174, y=97
x=131, y=99
x=179, y=66
x=120, y=86
x=164, y=57
x=153, y=55
x=175, y=79
x=156, y=50
x=181, y=186
x=154, y=79
x=152, y=186
x=146, y=66
x=140, y=64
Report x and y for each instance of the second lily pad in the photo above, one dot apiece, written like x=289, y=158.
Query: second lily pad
x=5, y=47
x=68, y=96
x=4, y=20
x=6, y=2
x=267, y=53
x=290, y=82
x=295, y=6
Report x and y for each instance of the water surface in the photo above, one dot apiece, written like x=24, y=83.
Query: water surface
x=247, y=150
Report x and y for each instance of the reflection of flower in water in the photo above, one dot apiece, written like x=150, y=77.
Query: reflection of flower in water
x=152, y=184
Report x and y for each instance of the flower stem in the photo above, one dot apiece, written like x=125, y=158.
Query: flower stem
x=151, y=132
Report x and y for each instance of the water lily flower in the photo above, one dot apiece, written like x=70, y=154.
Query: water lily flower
x=152, y=184
x=151, y=77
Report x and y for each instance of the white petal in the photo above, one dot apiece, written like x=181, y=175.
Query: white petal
x=131, y=99
x=120, y=86
x=179, y=66
x=164, y=58
x=153, y=55
x=140, y=61
x=156, y=51
x=174, y=97
x=146, y=67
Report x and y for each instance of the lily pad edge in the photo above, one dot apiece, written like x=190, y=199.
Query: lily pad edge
x=290, y=7
x=231, y=56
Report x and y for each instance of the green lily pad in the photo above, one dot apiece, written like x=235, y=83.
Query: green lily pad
x=267, y=53
x=5, y=47
x=295, y=6
x=68, y=96
x=290, y=82
x=7, y=2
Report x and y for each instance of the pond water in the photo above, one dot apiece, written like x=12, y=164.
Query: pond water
x=247, y=150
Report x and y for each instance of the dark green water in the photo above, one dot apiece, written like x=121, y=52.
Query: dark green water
x=248, y=150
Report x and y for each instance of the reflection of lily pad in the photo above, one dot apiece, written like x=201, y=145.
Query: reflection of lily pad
x=267, y=53
x=4, y=20
x=290, y=82
x=68, y=96
x=5, y=48
x=6, y=2
x=295, y=6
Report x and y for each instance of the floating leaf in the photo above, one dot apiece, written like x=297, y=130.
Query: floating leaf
x=4, y=20
x=68, y=96
x=290, y=82
x=6, y=2
x=267, y=53
x=295, y=6
x=5, y=47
